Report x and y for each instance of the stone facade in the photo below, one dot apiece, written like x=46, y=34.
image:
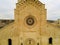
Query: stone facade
x=30, y=26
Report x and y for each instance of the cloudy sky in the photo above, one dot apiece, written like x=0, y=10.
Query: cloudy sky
x=52, y=6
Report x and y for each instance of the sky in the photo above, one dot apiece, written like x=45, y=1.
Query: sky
x=52, y=6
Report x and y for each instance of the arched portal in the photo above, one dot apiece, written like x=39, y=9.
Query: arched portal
x=29, y=41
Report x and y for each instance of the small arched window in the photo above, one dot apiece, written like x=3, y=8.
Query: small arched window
x=9, y=42
x=37, y=43
x=29, y=41
x=50, y=40
x=21, y=43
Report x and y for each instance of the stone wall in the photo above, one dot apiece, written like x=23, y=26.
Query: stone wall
x=5, y=22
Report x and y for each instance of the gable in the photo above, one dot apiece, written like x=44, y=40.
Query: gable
x=23, y=4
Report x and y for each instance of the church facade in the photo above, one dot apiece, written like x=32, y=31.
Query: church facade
x=30, y=26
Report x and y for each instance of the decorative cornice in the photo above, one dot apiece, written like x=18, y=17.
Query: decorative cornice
x=27, y=0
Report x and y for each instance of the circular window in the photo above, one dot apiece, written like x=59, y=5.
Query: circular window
x=30, y=21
